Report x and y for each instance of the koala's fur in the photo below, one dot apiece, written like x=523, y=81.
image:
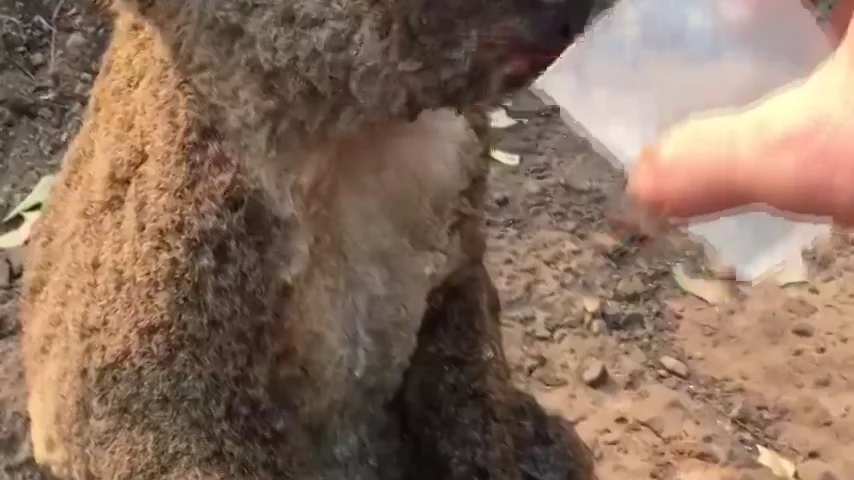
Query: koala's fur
x=263, y=256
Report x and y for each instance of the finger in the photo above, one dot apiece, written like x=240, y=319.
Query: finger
x=840, y=17
x=788, y=153
x=700, y=167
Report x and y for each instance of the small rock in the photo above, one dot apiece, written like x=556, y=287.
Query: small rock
x=37, y=59
x=744, y=413
x=532, y=187
x=605, y=243
x=594, y=373
x=5, y=274
x=16, y=257
x=674, y=366
x=800, y=307
x=75, y=41
x=539, y=332
x=554, y=322
x=823, y=380
x=501, y=200
x=550, y=377
x=630, y=288
x=631, y=320
x=803, y=329
x=599, y=327
x=611, y=311
x=609, y=438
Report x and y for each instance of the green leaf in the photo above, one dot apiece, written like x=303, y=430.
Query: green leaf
x=36, y=197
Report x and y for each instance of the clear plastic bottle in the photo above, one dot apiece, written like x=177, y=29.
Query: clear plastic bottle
x=647, y=64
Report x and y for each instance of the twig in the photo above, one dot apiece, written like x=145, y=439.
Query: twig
x=53, y=18
x=14, y=20
x=24, y=71
x=44, y=23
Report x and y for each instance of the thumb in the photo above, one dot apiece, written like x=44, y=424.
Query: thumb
x=780, y=152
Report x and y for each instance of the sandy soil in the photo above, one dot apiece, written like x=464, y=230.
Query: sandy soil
x=661, y=384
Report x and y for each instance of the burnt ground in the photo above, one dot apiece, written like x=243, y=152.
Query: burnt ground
x=660, y=383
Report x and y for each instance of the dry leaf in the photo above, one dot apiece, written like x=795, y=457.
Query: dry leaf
x=20, y=235
x=791, y=271
x=36, y=197
x=506, y=158
x=712, y=291
x=498, y=118
x=778, y=465
x=591, y=304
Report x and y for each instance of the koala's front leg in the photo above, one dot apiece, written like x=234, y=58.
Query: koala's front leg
x=454, y=402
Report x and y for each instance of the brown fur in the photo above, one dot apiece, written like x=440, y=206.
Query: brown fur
x=263, y=257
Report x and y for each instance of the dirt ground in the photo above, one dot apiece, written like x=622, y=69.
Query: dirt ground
x=661, y=384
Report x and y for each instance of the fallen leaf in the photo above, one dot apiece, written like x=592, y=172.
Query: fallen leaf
x=20, y=235
x=36, y=197
x=498, y=118
x=779, y=466
x=506, y=158
x=712, y=291
x=789, y=272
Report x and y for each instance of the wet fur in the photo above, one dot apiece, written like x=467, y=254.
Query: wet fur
x=263, y=256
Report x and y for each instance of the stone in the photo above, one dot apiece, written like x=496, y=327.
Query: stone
x=75, y=41
x=823, y=380
x=630, y=288
x=16, y=258
x=674, y=366
x=5, y=274
x=549, y=376
x=799, y=307
x=803, y=329
x=594, y=373
x=599, y=327
x=37, y=59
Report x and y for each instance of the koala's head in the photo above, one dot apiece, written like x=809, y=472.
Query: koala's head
x=334, y=63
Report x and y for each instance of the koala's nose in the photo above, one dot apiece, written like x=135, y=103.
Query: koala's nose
x=559, y=22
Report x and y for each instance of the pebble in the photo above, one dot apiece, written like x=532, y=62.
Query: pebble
x=501, y=200
x=674, y=366
x=37, y=59
x=609, y=438
x=599, y=327
x=823, y=380
x=532, y=187
x=605, y=243
x=548, y=376
x=803, y=329
x=594, y=373
x=554, y=322
x=5, y=274
x=75, y=41
x=632, y=320
x=630, y=288
x=799, y=307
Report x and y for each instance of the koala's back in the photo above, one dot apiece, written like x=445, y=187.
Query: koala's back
x=183, y=320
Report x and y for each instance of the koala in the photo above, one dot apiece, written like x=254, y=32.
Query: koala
x=263, y=255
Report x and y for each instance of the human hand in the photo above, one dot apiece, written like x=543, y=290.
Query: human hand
x=793, y=151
